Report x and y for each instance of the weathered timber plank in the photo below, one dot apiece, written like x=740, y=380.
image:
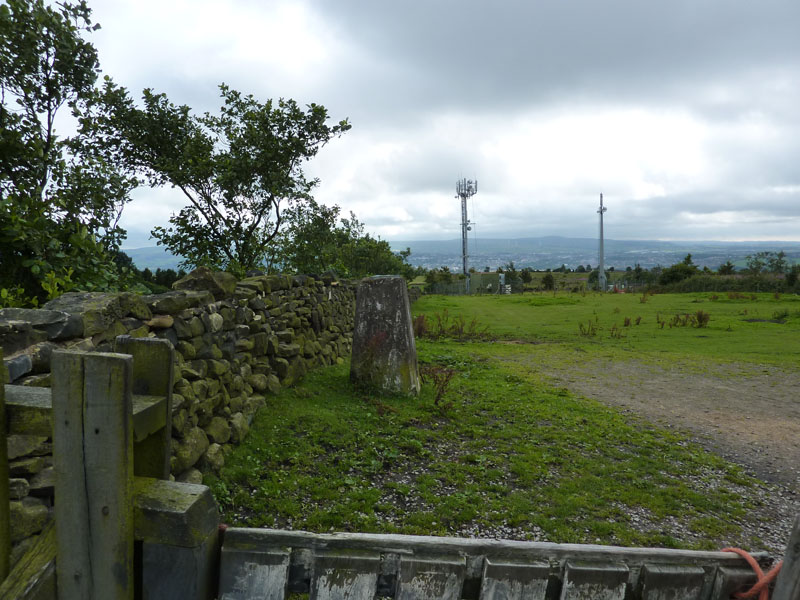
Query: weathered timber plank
x=787, y=586
x=152, y=376
x=497, y=549
x=730, y=580
x=658, y=582
x=253, y=574
x=506, y=580
x=5, y=517
x=431, y=578
x=344, y=576
x=94, y=465
x=173, y=513
x=30, y=412
x=148, y=416
x=586, y=581
x=34, y=576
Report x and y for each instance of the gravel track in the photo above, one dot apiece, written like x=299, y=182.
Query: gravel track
x=749, y=414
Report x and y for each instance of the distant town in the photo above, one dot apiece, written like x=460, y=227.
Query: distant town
x=546, y=253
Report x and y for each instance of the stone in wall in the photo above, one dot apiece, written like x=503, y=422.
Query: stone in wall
x=219, y=283
x=100, y=312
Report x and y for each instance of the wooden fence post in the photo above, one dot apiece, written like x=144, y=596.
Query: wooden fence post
x=787, y=587
x=92, y=437
x=5, y=524
x=152, y=376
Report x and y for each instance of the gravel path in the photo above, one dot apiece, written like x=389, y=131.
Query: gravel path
x=749, y=414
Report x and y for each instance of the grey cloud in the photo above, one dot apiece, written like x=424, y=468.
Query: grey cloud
x=508, y=53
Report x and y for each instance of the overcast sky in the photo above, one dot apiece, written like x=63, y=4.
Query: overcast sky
x=684, y=114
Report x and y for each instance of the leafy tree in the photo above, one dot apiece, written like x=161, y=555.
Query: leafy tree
x=792, y=276
x=361, y=254
x=580, y=269
x=727, y=268
x=678, y=272
x=757, y=263
x=60, y=198
x=525, y=275
x=440, y=275
x=548, y=281
x=511, y=273
x=238, y=169
x=311, y=241
x=593, y=278
x=638, y=272
x=308, y=241
x=166, y=277
x=776, y=262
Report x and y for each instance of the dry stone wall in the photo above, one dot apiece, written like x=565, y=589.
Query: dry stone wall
x=236, y=342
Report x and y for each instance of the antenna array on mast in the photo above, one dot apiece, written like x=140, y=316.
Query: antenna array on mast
x=601, y=271
x=465, y=189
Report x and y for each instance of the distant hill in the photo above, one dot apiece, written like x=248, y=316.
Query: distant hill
x=544, y=253
x=153, y=257
x=553, y=251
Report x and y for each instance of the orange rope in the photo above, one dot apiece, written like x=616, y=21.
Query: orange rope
x=762, y=585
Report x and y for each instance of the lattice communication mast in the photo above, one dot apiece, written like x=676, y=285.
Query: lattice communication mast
x=601, y=271
x=465, y=189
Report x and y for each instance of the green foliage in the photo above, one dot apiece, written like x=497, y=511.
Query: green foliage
x=767, y=262
x=727, y=268
x=548, y=282
x=311, y=241
x=307, y=241
x=440, y=275
x=60, y=198
x=238, y=169
x=594, y=277
x=678, y=271
x=792, y=276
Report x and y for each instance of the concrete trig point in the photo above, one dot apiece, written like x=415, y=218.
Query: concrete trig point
x=384, y=352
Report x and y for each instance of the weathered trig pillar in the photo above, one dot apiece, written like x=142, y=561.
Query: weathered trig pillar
x=384, y=352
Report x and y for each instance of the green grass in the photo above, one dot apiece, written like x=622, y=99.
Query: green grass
x=739, y=329
x=510, y=458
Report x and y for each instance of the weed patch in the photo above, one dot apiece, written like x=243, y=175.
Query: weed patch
x=589, y=330
x=442, y=325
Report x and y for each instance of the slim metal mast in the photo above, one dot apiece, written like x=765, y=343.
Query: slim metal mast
x=465, y=188
x=601, y=271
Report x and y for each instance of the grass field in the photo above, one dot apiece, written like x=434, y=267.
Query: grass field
x=505, y=454
x=757, y=328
